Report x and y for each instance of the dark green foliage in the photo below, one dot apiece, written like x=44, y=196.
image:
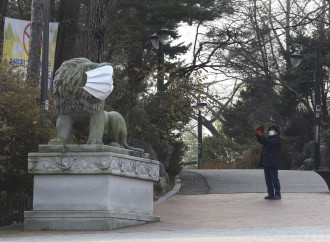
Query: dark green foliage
x=217, y=150
x=212, y=150
x=305, y=73
x=170, y=110
x=130, y=24
x=256, y=106
x=260, y=104
x=127, y=47
x=290, y=156
x=250, y=158
x=287, y=104
x=325, y=136
x=21, y=130
x=176, y=158
x=162, y=12
x=19, y=9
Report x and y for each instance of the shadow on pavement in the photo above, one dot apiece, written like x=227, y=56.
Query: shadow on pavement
x=193, y=184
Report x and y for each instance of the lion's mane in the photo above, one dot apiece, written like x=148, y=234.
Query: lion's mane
x=69, y=95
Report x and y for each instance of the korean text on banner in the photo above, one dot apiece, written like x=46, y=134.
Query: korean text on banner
x=16, y=44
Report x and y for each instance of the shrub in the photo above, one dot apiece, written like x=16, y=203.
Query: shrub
x=219, y=152
x=175, y=165
x=249, y=159
x=325, y=136
x=21, y=130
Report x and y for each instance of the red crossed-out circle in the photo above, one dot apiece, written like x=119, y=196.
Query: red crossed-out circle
x=28, y=37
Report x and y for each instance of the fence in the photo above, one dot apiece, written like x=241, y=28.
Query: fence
x=12, y=207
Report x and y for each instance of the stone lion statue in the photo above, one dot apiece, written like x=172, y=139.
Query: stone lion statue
x=76, y=108
x=74, y=105
x=115, y=131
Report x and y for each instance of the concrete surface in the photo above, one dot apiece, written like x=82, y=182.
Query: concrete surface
x=299, y=216
x=248, y=181
x=297, y=234
x=174, y=191
x=92, y=193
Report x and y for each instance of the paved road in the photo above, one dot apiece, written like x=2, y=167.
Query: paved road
x=248, y=181
x=280, y=234
x=213, y=218
x=229, y=207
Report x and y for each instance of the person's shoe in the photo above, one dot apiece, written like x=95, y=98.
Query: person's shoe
x=277, y=197
x=269, y=197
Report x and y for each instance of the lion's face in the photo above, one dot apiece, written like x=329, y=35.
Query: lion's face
x=70, y=97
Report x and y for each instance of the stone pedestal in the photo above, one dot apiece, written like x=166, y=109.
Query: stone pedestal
x=90, y=187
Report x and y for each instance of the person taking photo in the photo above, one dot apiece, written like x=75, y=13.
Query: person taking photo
x=270, y=159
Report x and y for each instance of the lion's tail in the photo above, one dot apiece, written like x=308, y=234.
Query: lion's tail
x=131, y=148
x=123, y=133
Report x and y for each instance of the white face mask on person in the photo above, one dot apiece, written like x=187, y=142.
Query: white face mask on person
x=271, y=133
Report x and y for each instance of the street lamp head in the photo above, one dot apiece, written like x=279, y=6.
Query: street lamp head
x=201, y=105
x=154, y=41
x=160, y=35
x=296, y=58
x=164, y=35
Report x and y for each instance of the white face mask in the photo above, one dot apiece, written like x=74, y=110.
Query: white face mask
x=271, y=133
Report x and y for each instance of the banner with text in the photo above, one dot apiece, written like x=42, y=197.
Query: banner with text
x=16, y=44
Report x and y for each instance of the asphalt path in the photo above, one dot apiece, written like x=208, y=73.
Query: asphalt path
x=198, y=182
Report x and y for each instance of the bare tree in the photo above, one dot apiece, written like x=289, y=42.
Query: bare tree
x=254, y=44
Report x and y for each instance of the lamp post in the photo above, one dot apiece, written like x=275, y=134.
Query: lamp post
x=199, y=133
x=45, y=53
x=296, y=59
x=158, y=40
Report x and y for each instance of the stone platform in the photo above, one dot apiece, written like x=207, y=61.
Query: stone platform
x=90, y=187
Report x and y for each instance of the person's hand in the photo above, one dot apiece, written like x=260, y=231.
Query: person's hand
x=260, y=128
x=260, y=133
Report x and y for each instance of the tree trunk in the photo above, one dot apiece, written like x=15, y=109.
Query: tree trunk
x=68, y=14
x=96, y=29
x=33, y=68
x=52, y=11
x=3, y=8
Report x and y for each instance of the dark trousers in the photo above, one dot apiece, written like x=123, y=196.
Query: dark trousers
x=272, y=181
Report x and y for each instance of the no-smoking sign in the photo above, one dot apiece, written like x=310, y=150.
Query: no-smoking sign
x=26, y=38
x=16, y=45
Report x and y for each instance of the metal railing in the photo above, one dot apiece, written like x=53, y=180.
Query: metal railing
x=12, y=208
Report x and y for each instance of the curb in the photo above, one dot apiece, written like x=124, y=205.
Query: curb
x=171, y=193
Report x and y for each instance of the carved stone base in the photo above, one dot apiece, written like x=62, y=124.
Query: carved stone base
x=90, y=190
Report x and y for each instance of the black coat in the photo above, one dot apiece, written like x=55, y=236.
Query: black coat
x=270, y=154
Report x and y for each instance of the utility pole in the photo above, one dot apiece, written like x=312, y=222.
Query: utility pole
x=45, y=53
x=199, y=139
x=160, y=69
x=199, y=133
x=317, y=118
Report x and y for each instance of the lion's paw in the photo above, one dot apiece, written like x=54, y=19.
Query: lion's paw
x=115, y=144
x=95, y=141
x=56, y=142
